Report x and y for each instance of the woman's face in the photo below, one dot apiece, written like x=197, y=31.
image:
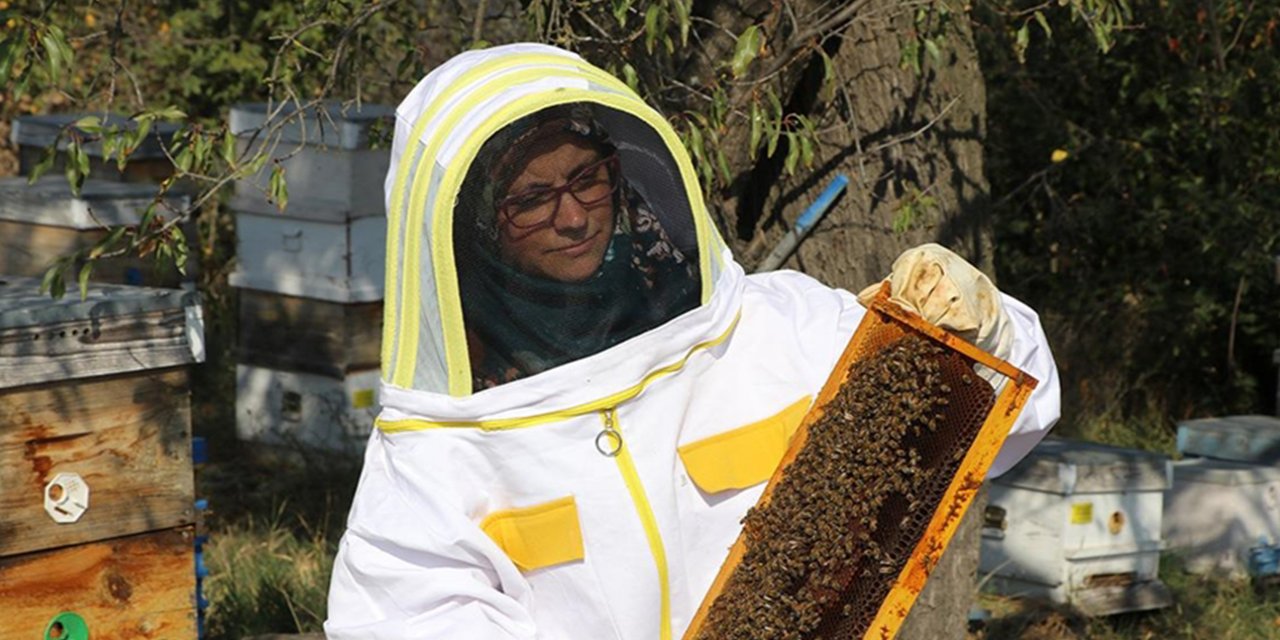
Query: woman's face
x=550, y=232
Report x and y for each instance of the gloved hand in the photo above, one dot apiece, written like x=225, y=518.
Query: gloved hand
x=944, y=289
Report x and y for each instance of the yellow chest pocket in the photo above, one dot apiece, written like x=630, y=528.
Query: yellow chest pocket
x=744, y=456
x=537, y=536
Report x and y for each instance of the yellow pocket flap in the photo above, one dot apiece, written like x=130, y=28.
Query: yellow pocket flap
x=744, y=456
x=538, y=536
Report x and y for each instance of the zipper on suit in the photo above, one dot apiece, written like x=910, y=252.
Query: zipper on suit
x=609, y=436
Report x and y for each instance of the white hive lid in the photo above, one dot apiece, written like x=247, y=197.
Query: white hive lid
x=1071, y=466
x=49, y=201
x=331, y=124
x=1243, y=438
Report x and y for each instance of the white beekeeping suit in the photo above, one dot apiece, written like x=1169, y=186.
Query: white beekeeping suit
x=582, y=392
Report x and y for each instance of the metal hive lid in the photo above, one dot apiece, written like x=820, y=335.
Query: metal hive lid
x=49, y=201
x=331, y=124
x=1243, y=438
x=42, y=130
x=22, y=304
x=1068, y=467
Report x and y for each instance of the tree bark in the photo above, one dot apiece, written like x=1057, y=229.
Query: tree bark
x=903, y=139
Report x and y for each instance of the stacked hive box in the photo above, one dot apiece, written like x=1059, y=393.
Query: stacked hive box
x=96, y=495
x=310, y=278
x=1079, y=523
x=1223, y=512
x=44, y=220
x=32, y=135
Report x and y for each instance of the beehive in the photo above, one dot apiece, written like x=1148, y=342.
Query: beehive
x=334, y=157
x=44, y=220
x=96, y=495
x=1245, y=438
x=1217, y=512
x=871, y=490
x=293, y=408
x=1079, y=523
x=310, y=278
x=147, y=163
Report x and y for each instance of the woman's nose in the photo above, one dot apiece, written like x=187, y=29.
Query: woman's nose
x=571, y=216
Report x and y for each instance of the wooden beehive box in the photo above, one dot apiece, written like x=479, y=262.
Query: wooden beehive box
x=43, y=221
x=96, y=490
x=148, y=163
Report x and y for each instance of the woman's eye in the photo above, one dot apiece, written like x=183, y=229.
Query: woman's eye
x=532, y=199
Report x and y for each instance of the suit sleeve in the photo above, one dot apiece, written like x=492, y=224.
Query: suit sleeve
x=419, y=569
x=1031, y=354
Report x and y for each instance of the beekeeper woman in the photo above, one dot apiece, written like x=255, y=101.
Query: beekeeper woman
x=582, y=392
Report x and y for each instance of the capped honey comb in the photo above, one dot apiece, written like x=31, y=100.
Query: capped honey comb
x=871, y=490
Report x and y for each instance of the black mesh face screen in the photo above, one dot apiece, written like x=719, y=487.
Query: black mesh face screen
x=849, y=512
x=572, y=232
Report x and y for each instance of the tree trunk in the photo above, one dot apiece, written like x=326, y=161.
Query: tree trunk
x=910, y=143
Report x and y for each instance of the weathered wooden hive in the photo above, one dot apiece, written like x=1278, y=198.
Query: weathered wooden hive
x=96, y=495
x=310, y=278
x=43, y=221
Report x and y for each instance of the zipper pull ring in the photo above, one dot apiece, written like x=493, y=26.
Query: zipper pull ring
x=609, y=440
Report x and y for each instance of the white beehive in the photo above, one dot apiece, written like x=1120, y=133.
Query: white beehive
x=44, y=220
x=1079, y=523
x=1218, y=512
x=311, y=252
x=314, y=411
x=333, y=158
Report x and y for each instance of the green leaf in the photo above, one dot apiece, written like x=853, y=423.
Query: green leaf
x=723, y=162
x=1021, y=40
x=89, y=124
x=85, y=270
x=45, y=164
x=683, y=9
x=745, y=51
x=108, y=242
x=179, y=250
x=1044, y=23
x=620, y=8
x=229, y=147
x=910, y=56
x=278, y=188
x=932, y=49
x=630, y=76
x=651, y=30
x=806, y=150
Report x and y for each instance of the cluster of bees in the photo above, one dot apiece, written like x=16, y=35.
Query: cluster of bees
x=823, y=552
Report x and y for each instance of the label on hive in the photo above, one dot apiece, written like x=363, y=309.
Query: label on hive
x=1081, y=513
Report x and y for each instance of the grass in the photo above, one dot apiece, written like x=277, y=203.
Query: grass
x=1204, y=607
x=272, y=542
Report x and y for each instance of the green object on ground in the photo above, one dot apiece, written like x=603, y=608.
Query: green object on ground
x=67, y=626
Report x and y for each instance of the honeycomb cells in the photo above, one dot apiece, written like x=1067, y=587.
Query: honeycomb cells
x=824, y=549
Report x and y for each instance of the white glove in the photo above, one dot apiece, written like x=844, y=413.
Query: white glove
x=944, y=289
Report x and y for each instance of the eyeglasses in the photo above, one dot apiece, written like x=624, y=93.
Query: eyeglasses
x=537, y=207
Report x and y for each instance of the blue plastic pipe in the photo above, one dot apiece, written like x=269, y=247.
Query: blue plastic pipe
x=808, y=220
